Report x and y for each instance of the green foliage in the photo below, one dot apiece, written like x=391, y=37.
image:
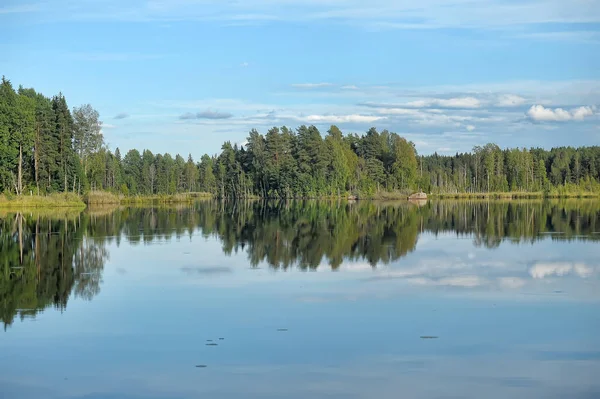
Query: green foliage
x=46, y=148
x=559, y=171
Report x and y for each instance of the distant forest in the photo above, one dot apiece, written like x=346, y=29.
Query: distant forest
x=46, y=147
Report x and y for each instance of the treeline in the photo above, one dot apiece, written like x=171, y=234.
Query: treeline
x=45, y=147
x=491, y=169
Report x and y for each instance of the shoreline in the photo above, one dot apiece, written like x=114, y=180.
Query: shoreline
x=73, y=201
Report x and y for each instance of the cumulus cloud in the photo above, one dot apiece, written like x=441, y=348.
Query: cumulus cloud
x=582, y=112
x=510, y=100
x=539, y=113
x=208, y=114
x=543, y=270
x=311, y=85
x=121, y=115
x=354, y=118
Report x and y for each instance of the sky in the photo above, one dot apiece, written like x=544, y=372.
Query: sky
x=183, y=76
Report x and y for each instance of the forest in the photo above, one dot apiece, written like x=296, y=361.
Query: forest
x=46, y=147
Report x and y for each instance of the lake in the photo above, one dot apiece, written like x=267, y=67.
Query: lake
x=306, y=299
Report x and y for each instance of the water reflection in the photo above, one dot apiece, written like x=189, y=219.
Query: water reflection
x=302, y=299
x=46, y=258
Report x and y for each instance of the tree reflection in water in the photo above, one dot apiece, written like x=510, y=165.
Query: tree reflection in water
x=46, y=258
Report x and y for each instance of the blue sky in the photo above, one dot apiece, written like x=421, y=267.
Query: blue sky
x=182, y=76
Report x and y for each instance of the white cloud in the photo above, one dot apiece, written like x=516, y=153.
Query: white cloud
x=311, y=85
x=244, y=64
x=463, y=102
x=510, y=100
x=543, y=270
x=354, y=118
x=349, y=87
x=540, y=113
x=582, y=112
x=400, y=111
x=108, y=126
x=458, y=102
x=470, y=128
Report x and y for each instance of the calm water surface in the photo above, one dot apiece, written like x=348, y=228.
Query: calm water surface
x=302, y=300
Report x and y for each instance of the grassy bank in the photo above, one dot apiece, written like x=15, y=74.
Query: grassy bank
x=62, y=200
x=101, y=198
x=106, y=198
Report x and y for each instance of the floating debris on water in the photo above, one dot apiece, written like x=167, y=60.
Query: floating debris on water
x=221, y=339
x=201, y=366
x=558, y=292
x=209, y=340
x=282, y=329
x=429, y=337
x=212, y=344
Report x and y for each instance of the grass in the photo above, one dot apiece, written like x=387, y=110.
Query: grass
x=58, y=200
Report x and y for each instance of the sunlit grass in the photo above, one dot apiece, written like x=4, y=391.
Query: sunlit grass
x=57, y=200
